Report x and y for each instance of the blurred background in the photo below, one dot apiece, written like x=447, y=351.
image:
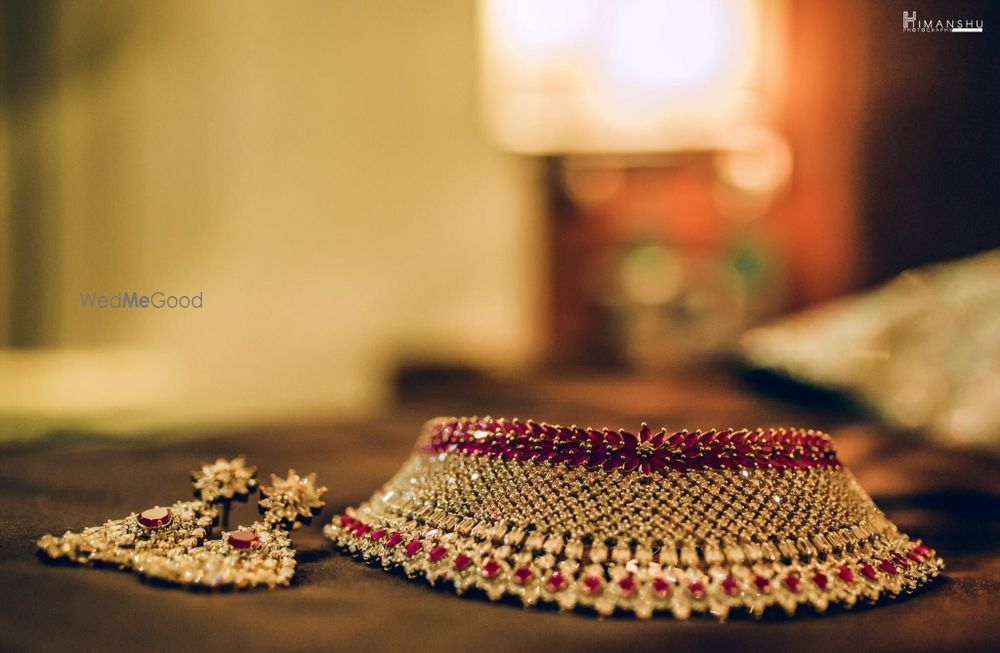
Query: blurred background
x=370, y=196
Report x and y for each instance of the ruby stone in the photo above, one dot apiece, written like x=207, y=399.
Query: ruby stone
x=522, y=575
x=888, y=567
x=491, y=568
x=155, y=517
x=242, y=540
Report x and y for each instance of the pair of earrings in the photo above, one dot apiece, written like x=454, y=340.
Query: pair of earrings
x=174, y=544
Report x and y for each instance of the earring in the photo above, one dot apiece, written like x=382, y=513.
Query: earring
x=223, y=482
x=171, y=543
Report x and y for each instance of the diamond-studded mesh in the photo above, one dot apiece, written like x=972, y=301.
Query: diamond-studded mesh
x=696, y=508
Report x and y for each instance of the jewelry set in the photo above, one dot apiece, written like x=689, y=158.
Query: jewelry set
x=645, y=522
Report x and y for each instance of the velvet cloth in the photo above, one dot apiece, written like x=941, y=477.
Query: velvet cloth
x=949, y=498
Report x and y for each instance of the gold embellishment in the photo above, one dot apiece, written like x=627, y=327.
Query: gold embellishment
x=224, y=480
x=292, y=500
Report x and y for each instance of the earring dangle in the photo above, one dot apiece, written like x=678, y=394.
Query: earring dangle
x=172, y=543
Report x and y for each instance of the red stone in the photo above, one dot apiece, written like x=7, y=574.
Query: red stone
x=522, y=575
x=155, y=517
x=730, y=586
x=711, y=460
x=792, y=582
x=462, y=561
x=697, y=590
x=377, y=535
x=821, y=580
x=661, y=586
x=593, y=584
x=394, y=539
x=922, y=551
x=761, y=583
x=615, y=450
x=888, y=567
x=556, y=582
x=413, y=547
x=361, y=529
x=437, y=553
x=627, y=584
x=491, y=568
x=868, y=571
x=914, y=556
x=242, y=540
x=845, y=574
x=345, y=520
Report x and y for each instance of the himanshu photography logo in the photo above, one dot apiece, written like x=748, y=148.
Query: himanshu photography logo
x=134, y=299
x=912, y=24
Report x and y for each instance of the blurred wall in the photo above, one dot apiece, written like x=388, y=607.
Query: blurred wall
x=931, y=149
x=315, y=168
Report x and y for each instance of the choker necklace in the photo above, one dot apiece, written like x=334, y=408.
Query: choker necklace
x=644, y=522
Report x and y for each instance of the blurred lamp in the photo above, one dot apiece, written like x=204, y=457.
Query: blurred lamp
x=577, y=76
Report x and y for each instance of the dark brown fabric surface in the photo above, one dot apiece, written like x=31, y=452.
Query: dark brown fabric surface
x=340, y=604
